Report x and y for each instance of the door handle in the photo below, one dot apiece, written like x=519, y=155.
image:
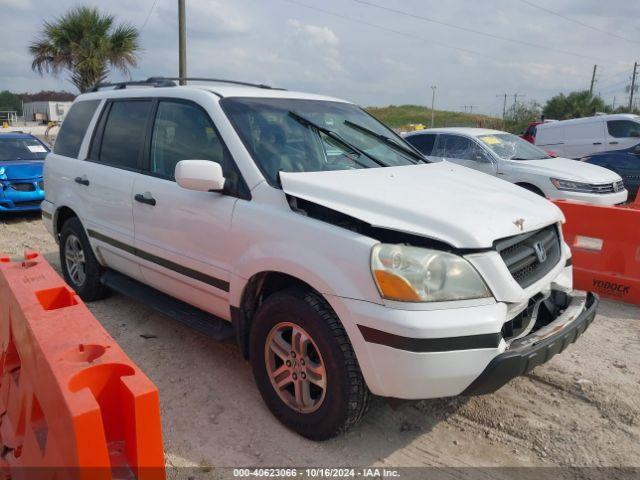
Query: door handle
x=145, y=198
x=83, y=180
x=613, y=143
x=597, y=143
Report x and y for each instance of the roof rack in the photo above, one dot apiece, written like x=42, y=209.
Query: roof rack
x=214, y=80
x=171, y=82
x=150, y=82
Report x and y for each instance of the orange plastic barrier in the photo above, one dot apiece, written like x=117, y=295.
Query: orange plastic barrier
x=605, y=242
x=72, y=404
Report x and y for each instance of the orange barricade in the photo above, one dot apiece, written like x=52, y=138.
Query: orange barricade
x=605, y=242
x=72, y=404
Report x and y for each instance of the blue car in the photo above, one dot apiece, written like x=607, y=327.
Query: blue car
x=21, y=160
x=625, y=162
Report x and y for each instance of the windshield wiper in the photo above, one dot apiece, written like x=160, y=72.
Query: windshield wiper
x=334, y=136
x=386, y=140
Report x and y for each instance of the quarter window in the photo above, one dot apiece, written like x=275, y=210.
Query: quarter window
x=74, y=128
x=124, y=131
x=623, y=128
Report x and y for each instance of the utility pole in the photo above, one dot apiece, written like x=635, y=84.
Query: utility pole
x=593, y=79
x=633, y=85
x=504, y=105
x=182, y=43
x=433, y=101
x=613, y=104
x=515, y=100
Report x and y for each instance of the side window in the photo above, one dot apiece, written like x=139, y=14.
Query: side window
x=183, y=131
x=124, y=131
x=423, y=142
x=74, y=128
x=455, y=146
x=623, y=128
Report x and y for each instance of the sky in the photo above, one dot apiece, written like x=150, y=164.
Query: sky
x=372, y=52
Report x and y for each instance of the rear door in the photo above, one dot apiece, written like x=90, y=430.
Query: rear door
x=183, y=236
x=622, y=134
x=106, y=181
x=464, y=151
x=584, y=138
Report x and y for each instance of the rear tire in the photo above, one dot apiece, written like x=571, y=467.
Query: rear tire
x=336, y=396
x=80, y=267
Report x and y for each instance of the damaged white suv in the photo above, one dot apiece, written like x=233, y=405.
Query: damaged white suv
x=343, y=262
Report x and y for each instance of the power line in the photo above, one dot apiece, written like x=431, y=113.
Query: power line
x=148, y=15
x=471, y=30
x=397, y=32
x=578, y=22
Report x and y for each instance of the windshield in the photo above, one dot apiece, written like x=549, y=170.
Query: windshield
x=21, y=149
x=292, y=135
x=510, y=147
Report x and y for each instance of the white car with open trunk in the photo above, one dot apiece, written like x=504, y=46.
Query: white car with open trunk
x=342, y=261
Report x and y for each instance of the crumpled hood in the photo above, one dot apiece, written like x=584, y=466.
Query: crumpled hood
x=442, y=201
x=21, y=170
x=567, y=169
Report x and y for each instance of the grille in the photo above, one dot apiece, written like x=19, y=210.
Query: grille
x=28, y=204
x=23, y=187
x=532, y=255
x=607, y=187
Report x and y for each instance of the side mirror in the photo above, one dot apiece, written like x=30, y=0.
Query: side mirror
x=200, y=175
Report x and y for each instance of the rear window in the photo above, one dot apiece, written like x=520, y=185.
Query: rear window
x=74, y=128
x=424, y=143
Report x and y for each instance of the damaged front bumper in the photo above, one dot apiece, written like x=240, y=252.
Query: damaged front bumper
x=526, y=353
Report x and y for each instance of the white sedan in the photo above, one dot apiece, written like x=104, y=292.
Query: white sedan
x=509, y=157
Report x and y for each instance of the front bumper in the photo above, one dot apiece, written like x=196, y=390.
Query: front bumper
x=419, y=354
x=527, y=353
x=21, y=201
x=592, y=198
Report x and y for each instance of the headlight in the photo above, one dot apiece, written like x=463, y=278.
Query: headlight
x=571, y=186
x=412, y=274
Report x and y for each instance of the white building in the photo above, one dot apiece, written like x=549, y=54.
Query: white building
x=45, y=111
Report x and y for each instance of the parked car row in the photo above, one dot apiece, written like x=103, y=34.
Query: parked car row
x=343, y=261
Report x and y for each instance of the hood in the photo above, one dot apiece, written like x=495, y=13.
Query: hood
x=21, y=170
x=441, y=201
x=567, y=169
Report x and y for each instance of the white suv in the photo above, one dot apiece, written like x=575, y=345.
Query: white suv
x=513, y=159
x=343, y=262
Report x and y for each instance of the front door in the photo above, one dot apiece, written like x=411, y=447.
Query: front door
x=182, y=236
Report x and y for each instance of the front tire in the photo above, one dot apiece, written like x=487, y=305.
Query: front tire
x=305, y=367
x=80, y=267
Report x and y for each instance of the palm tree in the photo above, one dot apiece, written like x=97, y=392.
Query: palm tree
x=86, y=44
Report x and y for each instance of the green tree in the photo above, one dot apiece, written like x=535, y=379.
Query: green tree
x=87, y=45
x=519, y=116
x=10, y=101
x=574, y=105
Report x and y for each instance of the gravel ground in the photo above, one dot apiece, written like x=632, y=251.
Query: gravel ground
x=580, y=409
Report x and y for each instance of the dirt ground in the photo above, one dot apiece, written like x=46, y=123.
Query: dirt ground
x=580, y=409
